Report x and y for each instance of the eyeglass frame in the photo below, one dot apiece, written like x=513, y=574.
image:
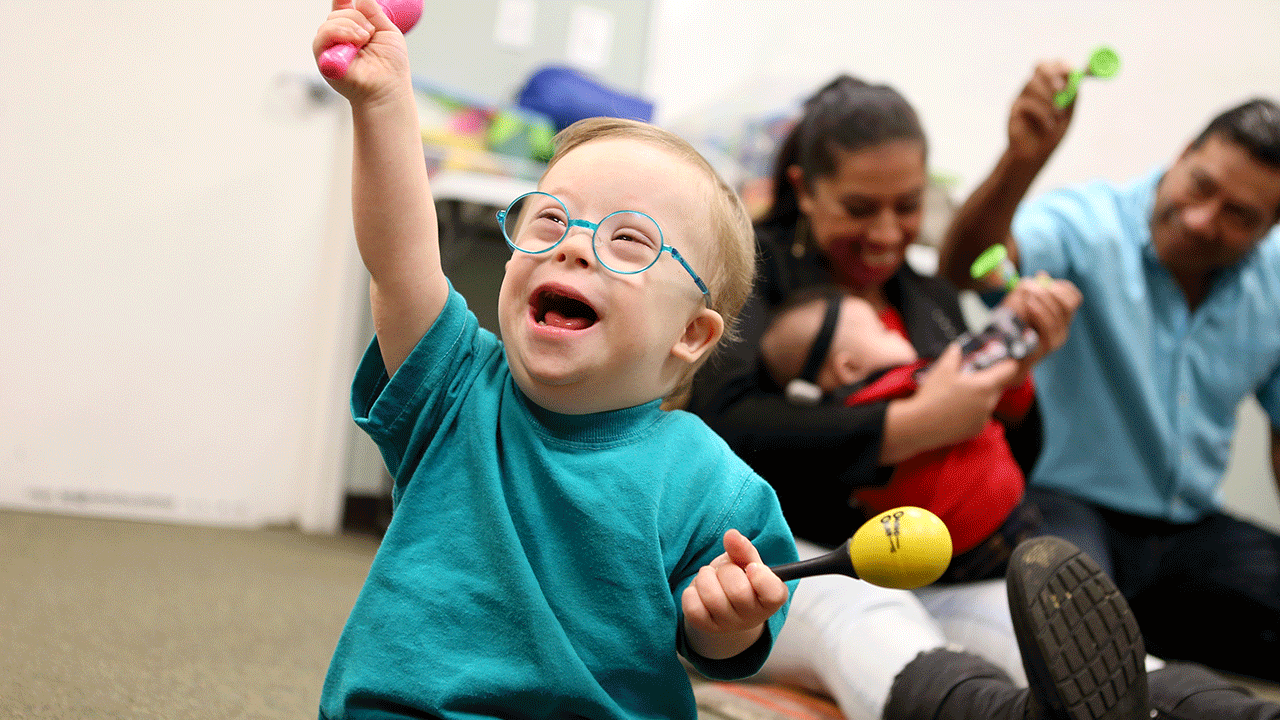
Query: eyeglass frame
x=571, y=222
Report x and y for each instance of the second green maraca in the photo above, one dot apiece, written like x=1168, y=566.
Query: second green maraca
x=1103, y=63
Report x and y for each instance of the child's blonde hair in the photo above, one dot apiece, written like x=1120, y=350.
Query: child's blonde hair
x=731, y=270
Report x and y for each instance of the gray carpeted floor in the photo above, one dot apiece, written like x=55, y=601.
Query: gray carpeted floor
x=108, y=619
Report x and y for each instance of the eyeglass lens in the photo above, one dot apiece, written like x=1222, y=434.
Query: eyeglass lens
x=624, y=241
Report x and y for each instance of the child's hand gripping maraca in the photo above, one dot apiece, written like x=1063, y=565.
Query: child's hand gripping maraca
x=333, y=62
x=906, y=547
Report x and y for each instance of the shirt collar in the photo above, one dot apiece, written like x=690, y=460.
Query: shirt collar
x=592, y=427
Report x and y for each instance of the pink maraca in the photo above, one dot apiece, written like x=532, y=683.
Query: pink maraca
x=336, y=58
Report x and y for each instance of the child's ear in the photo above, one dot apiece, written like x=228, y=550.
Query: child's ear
x=700, y=335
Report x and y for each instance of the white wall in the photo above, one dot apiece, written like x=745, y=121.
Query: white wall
x=175, y=270
x=1249, y=489
x=458, y=46
x=962, y=63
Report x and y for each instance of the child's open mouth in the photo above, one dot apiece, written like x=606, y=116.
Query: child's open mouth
x=556, y=309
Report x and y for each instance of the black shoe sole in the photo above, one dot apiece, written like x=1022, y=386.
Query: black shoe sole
x=1080, y=644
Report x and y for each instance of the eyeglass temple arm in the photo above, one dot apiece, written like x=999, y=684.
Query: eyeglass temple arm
x=706, y=294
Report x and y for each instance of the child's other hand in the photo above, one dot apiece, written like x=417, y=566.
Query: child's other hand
x=383, y=58
x=727, y=604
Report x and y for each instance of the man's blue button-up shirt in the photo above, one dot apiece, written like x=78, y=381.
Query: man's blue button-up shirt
x=1140, y=403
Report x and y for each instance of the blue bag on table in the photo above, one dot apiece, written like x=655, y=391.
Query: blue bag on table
x=567, y=95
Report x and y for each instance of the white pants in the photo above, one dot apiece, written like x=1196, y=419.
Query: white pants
x=848, y=639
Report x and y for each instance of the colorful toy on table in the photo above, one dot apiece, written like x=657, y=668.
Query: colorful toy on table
x=1103, y=63
x=474, y=134
x=335, y=60
x=515, y=131
x=906, y=547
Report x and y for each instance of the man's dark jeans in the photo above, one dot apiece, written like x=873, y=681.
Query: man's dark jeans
x=1207, y=591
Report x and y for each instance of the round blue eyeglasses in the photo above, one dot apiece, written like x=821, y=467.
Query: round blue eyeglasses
x=625, y=242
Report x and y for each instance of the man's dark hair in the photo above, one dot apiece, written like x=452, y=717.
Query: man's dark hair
x=1254, y=126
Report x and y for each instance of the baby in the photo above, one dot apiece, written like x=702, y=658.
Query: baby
x=826, y=345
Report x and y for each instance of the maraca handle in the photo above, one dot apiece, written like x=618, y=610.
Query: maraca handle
x=1067, y=95
x=836, y=562
x=335, y=60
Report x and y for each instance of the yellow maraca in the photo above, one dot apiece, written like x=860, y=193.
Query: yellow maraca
x=906, y=547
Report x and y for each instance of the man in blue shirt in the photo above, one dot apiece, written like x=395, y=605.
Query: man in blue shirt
x=1180, y=273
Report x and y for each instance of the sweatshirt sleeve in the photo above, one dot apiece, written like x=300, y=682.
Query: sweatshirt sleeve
x=751, y=508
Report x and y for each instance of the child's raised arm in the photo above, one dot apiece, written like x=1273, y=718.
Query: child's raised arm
x=395, y=216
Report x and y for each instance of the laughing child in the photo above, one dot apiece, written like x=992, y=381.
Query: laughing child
x=558, y=538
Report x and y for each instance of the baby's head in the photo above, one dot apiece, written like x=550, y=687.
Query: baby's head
x=857, y=342
x=592, y=325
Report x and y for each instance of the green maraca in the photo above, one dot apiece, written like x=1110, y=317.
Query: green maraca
x=1103, y=63
x=995, y=266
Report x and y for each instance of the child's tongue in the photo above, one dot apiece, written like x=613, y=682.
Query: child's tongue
x=555, y=319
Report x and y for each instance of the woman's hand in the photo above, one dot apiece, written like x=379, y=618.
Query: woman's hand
x=951, y=405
